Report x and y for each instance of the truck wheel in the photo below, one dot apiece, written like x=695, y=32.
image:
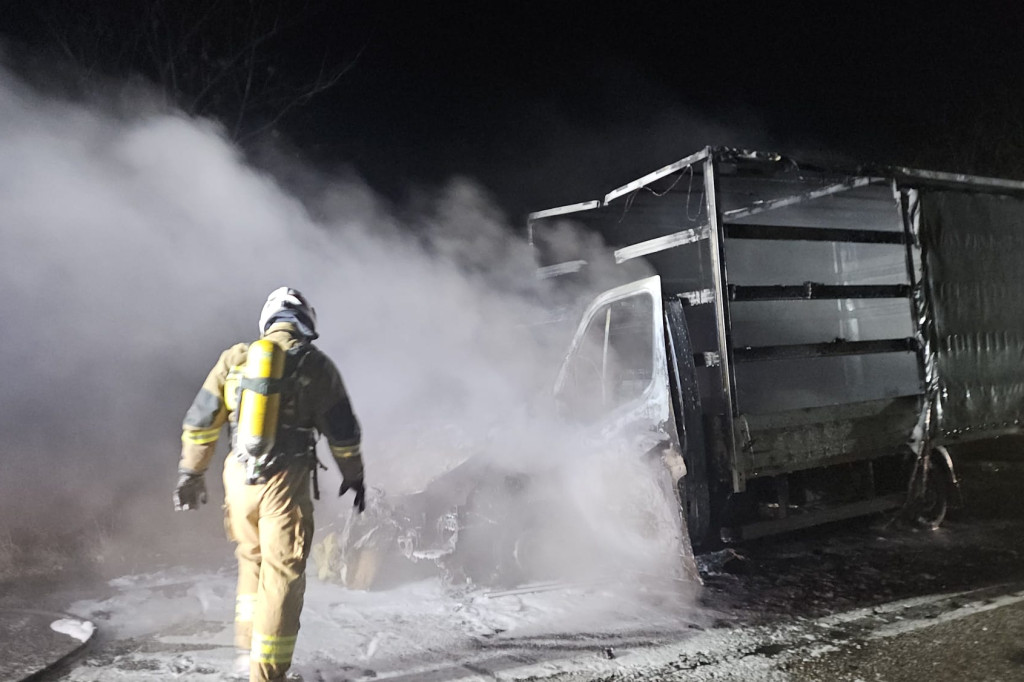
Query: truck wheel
x=696, y=505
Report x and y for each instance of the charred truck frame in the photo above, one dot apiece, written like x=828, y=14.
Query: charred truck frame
x=812, y=339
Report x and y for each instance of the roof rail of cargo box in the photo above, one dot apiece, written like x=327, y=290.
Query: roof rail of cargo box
x=657, y=175
x=761, y=161
x=560, y=210
x=914, y=177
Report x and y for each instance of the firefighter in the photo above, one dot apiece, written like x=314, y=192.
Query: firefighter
x=276, y=395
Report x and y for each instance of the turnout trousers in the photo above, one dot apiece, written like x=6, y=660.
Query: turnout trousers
x=272, y=526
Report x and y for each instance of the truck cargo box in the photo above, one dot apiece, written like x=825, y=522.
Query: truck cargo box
x=828, y=332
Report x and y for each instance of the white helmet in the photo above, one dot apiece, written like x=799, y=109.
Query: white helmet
x=288, y=302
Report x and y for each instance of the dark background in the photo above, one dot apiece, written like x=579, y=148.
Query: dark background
x=555, y=102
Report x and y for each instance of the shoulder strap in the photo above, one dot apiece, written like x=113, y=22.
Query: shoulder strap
x=292, y=380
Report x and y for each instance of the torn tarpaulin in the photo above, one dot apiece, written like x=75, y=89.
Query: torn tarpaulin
x=972, y=247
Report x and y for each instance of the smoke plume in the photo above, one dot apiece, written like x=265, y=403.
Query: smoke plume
x=135, y=247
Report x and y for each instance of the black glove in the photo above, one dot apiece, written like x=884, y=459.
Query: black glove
x=190, y=491
x=359, y=489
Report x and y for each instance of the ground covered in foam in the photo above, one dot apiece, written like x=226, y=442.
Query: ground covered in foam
x=172, y=625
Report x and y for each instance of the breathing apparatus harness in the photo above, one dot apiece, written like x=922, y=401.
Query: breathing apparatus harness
x=265, y=438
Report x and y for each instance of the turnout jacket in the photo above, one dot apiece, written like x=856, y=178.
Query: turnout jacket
x=319, y=402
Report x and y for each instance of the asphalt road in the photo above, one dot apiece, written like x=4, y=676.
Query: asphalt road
x=869, y=601
x=985, y=646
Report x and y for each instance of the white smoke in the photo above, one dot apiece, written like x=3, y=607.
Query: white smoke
x=133, y=249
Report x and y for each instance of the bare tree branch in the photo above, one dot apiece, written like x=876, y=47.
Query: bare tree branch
x=236, y=60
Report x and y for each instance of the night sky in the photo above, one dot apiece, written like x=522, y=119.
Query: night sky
x=551, y=102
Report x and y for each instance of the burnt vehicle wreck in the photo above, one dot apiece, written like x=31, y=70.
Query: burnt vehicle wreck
x=482, y=524
x=810, y=344
x=432, y=527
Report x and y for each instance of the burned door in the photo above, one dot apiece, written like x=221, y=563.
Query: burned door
x=614, y=383
x=615, y=371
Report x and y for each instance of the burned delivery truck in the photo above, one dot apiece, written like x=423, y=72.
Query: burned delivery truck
x=808, y=340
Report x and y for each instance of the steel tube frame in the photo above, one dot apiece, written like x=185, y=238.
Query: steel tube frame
x=560, y=210
x=723, y=322
x=558, y=269
x=771, y=205
x=824, y=350
x=698, y=297
x=669, y=241
x=910, y=246
x=811, y=234
x=657, y=175
x=814, y=291
x=916, y=178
